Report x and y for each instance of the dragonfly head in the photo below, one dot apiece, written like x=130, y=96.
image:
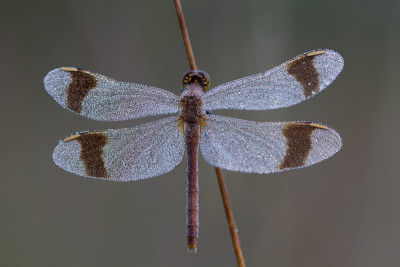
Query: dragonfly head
x=196, y=76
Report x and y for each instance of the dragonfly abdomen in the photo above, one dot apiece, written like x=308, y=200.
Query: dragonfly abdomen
x=192, y=190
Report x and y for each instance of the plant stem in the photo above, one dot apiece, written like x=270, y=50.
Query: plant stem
x=185, y=35
x=229, y=216
x=220, y=176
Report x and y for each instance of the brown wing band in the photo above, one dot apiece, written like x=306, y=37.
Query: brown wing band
x=299, y=144
x=304, y=71
x=82, y=82
x=92, y=145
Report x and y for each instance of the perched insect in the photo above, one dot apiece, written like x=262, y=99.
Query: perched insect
x=156, y=147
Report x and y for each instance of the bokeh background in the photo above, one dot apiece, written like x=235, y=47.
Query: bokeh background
x=342, y=212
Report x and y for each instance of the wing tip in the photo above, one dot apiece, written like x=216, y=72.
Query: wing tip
x=329, y=65
x=330, y=53
x=59, y=157
x=334, y=140
x=67, y=156
x=54, y=82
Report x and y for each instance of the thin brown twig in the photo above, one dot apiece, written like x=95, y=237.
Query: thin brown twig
x=220, y=176
x=229, y=216
x=185, y=34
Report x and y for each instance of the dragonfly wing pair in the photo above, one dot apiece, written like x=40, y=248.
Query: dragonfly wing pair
x=248, y=146
x=157, y=147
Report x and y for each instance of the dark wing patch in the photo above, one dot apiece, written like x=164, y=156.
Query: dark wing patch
x=82, y=82
x=92, y=145
x=304, y=71
x=299, y=144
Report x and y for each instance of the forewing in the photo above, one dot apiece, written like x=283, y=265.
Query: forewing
x=136, y=153
x=248, y=146
x=100, y=98
x=285, y=85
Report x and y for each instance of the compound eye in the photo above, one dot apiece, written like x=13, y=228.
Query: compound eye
x=188, y=77
x=205, y=80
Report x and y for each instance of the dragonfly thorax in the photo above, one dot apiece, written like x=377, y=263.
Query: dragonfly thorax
x=192, y=110
x=195, y=83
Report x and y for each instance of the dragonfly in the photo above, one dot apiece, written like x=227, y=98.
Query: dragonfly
x=155, y=148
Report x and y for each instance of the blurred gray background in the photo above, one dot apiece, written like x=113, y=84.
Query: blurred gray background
x=341, y=212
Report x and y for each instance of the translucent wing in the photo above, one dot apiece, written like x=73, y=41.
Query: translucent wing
x=100, y=98
x=288, y=84
x=128, y=154
x=248, y=146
